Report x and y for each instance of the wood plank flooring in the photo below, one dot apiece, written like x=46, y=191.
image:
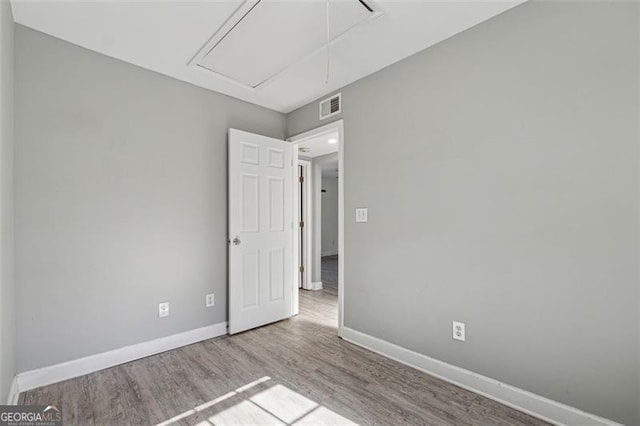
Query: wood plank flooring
x=295, y=371
x=329, y=274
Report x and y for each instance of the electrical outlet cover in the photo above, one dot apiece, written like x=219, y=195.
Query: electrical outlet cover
x=163, y=309
x=209, y=300
x=459, y=331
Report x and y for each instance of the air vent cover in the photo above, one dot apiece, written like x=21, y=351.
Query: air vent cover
x=331, y=106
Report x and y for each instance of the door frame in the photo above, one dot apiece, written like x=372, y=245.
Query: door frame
x=335, y=126
x=308, y=218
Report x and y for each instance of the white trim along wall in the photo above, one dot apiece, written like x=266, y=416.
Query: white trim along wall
x=92, y=363
x=535, y=405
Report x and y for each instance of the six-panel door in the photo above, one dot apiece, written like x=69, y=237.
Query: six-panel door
x=260, y=230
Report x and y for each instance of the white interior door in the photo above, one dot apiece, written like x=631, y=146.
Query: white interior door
x=260, y=230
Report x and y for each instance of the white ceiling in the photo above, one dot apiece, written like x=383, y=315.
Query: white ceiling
x=322, y=153
x=276, y=35
x=270, y=53
x=319, y=146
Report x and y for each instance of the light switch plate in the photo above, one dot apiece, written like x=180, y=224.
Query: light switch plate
x=361, y=214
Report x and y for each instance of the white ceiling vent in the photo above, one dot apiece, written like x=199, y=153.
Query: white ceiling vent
x=331, y=106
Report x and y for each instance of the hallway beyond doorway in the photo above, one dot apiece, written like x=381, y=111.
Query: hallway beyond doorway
x=329, y=274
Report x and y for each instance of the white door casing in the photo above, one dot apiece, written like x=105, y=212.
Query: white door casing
x=336, y=126
x=307, y=218
x=260, y=230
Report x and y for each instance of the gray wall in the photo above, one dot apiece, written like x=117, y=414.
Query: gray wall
x=329, y=216
x=7, y=313
x=121, y=200
x=500, y=168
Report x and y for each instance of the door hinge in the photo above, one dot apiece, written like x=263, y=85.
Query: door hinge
x=301, y=268
x=301, y=179
x=301, y=224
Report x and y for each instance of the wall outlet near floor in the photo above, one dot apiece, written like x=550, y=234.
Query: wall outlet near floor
x=163, y=309
x=209, y=300
x=459, y=331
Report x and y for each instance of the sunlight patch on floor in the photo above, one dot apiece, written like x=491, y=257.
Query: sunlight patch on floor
x=276, y=405
x=213, y=402
x=245, y=413
x=323, y=416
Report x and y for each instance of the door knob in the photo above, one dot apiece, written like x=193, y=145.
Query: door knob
x=236, y=241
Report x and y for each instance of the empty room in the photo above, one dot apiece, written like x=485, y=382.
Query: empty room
x=319, y=212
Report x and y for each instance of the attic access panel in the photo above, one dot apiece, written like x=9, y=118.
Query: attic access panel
x=265, y=37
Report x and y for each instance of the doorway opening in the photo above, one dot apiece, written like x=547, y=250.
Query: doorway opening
x=318, y=157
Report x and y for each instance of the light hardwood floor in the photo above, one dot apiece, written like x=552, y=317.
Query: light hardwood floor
x=295, y=371
x=329, y=274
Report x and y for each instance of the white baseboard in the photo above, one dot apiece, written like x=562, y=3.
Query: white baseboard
x=315, y=286
x=79, y=367
x=14, y=393
x=522, y=400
